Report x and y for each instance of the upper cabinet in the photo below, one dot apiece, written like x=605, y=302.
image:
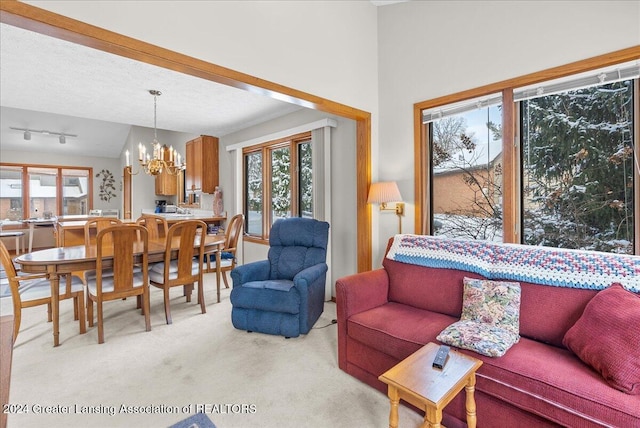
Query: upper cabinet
x=166, y=184
x=201, y=174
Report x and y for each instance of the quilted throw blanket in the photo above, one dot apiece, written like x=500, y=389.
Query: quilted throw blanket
x=541, y=265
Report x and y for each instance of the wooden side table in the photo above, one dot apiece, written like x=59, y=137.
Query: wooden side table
x=418, y=383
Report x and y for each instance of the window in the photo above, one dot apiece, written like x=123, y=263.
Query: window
x=577, y=168
x=277, y=181
x=466, y=159
x=11, y=196
x=305, y=174
x=37, y=190
x=75, y=191
x=571, y=179
x=253, y=193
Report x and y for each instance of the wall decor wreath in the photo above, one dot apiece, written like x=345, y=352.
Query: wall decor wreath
x=107, y=188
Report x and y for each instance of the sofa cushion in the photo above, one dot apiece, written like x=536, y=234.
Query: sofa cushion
x=554, y=383
x=396, y=329
x=547, y=312
x=607, y=337
x=434, y=289
x=483, y=338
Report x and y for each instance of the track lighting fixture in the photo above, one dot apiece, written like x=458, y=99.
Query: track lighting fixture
x=62, y=136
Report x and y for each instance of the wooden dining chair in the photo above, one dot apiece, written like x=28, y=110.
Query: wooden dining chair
x=156, y=225
x=118, y=243
x=228, y=256
x=184, y=270
x=97, y=223
x=35, y=290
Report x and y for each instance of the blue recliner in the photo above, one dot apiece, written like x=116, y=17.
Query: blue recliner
x=283, y=295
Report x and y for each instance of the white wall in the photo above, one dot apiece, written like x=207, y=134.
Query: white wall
x=435, y=48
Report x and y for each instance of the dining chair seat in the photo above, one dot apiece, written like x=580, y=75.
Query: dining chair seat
x=5, y=289
x=108, y=283
x=90, y=275
x=29, y=290
x=156, y=272
x=41, y=288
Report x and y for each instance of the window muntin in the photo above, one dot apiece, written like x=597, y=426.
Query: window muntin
x=578, y=168
x=281, y=188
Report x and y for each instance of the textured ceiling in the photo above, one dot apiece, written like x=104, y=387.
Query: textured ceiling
x=47, y=83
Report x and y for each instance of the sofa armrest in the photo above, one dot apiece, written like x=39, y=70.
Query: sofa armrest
x=354, y=294
x=255, y=271
x=360, y=292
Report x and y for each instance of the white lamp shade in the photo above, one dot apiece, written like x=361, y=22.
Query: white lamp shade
x=383, y=192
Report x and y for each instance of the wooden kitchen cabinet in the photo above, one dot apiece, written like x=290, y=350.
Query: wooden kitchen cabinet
x=166, y=184
x=201, y=174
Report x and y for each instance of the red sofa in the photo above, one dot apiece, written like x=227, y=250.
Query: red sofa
x=386, y=314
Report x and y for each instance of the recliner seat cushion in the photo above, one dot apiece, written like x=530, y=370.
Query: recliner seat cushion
x=266, y=299
x=271, y=284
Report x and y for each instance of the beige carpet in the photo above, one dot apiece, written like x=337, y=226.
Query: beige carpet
x=201, y=362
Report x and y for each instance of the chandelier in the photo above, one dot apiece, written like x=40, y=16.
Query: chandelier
x=161, y=157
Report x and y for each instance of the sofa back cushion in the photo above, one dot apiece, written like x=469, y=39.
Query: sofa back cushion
x=547, y=312
x=435, y=289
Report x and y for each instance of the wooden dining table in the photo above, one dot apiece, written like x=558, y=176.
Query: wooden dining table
x=61, y=261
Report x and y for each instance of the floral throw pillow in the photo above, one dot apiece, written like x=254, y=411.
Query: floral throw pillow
x=490, y=320
x=495, y=303
x=485, y=339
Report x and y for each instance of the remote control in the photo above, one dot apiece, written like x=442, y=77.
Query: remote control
x=441, y=357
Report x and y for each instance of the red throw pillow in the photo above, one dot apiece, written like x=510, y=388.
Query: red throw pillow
x=607, y=337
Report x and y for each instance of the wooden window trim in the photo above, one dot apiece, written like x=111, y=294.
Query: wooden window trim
x=511, y=190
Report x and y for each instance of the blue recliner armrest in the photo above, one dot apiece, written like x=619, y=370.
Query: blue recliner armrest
x=255, y=271
x=308, y=276
x=310, y=284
